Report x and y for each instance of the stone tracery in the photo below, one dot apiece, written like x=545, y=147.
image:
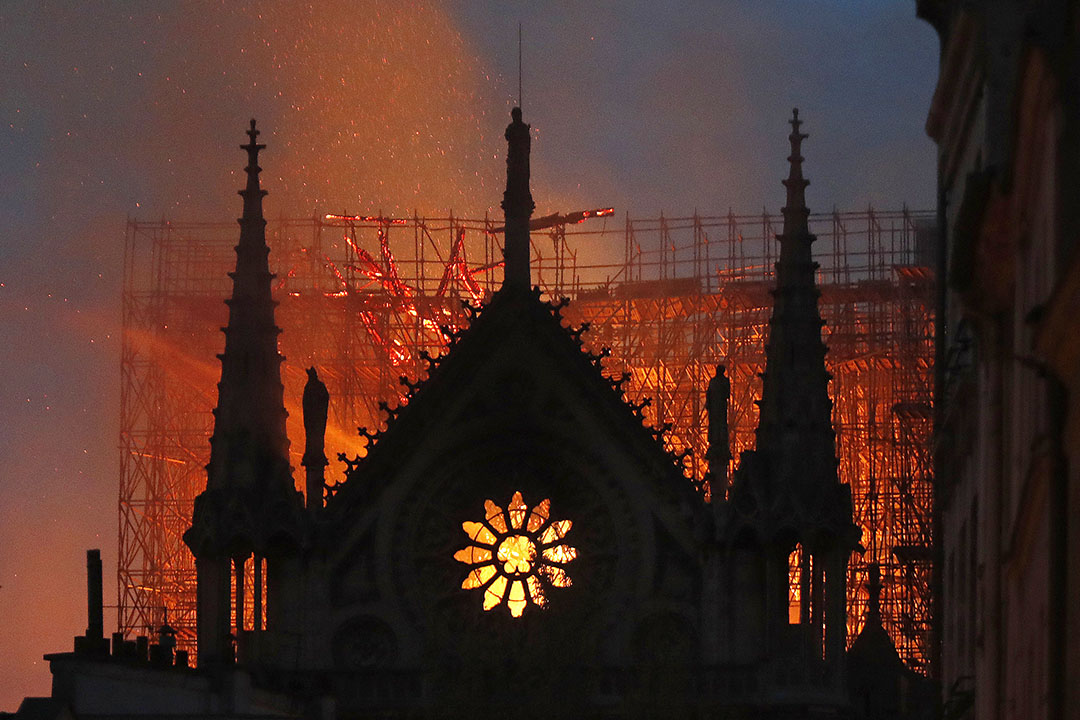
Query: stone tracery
x=515, y=560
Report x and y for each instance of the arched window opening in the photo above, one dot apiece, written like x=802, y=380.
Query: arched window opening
x=239, y=588
x=258, y=582
x=247, y=592
x=798, y=582
x=805, y=588
x=820, y=618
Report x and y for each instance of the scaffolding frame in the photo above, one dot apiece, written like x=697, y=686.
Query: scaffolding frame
x=362, y=298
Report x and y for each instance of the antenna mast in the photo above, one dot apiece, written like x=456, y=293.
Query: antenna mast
x=519, y=65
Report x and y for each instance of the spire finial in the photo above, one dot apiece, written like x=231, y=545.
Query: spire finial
x=253, y=193
x=795, y=211
x=253, y=147
x=796, y=137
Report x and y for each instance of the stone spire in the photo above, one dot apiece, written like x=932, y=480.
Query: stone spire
x=249, y=447
x=786, y=494
x=250, y=498
x=795, y=428
x=517, y=204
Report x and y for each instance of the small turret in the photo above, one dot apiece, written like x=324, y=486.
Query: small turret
x=881, y=687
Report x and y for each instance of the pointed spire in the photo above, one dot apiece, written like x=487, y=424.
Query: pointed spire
x=795, y=426
x=788, y=489
x=249, y=446
x=517, y=204
x=250, y=498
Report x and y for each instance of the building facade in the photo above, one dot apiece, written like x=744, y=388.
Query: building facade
x=515, y=538
x=1005, y=118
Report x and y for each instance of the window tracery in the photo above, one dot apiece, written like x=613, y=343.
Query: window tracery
x=517, y=554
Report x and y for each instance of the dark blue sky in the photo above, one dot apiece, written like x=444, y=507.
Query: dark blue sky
x=678, y=105
x=117, y=109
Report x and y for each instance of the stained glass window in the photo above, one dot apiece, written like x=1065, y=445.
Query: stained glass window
x=517, y=555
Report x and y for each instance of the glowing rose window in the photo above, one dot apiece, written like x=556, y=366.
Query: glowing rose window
x=517, y=555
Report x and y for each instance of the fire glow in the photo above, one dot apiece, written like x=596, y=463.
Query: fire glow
x=367, y=320
x=527, y=555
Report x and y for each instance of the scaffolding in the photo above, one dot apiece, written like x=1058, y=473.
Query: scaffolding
x=362, y=298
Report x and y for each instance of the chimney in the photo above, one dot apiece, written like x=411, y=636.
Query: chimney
x=95, y=628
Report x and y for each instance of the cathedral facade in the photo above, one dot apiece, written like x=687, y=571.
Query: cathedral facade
x=516, y=534
x=516, y=540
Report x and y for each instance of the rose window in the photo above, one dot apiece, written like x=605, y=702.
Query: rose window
x=517, y=554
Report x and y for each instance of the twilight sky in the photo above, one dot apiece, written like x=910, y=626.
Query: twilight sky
x=118, y=109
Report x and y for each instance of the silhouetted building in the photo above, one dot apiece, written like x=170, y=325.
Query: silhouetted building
x=1006, y=120
x=517, y=540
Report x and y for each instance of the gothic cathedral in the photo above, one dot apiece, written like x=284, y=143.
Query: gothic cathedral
x=516, y=541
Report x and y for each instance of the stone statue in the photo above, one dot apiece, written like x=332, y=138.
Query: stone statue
x=316, y=403
x=519, y=144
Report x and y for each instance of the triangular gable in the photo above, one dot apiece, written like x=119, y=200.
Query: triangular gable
x=515, y=347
